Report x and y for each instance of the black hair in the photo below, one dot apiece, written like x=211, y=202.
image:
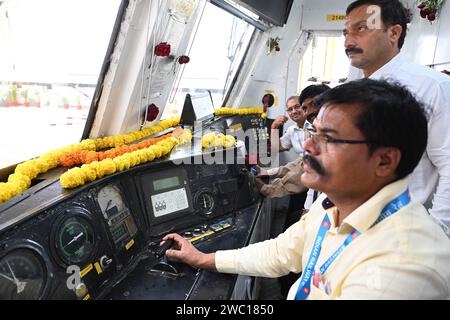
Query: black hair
x=389, y=116
x=392, y=12
x=312, y=91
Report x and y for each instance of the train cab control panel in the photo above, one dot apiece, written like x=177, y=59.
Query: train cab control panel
x=89, y=242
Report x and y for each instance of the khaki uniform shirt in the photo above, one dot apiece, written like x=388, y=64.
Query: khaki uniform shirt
x=287, y=180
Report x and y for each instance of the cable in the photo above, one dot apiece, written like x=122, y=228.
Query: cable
x=143, y=71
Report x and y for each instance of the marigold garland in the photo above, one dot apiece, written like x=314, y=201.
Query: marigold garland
x=240, y=111
x=70, y=159
x=121, y=139
x=20, y=180
x=89, y=172
x=217, y=140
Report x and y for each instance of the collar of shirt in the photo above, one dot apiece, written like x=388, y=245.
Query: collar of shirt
x=388, y=68
x=363, y=217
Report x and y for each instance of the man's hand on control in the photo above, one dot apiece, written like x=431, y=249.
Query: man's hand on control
x=261, y=173
x=184, y=251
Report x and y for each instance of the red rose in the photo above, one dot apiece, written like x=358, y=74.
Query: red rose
x=162, y=49
x=183, y=59
x=152, y=112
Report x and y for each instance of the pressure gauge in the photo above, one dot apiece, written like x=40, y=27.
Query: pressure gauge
x=110, y=200
x=204, y=202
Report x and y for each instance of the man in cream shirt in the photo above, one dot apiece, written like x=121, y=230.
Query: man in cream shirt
x=375, y=49
x=363, y=238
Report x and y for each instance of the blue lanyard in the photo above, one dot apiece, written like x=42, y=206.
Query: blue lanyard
x=304, y=287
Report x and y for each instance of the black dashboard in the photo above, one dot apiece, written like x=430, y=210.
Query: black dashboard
x=98, y=241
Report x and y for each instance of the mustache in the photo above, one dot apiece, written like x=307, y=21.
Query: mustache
x=314, y=164
x=353, y=50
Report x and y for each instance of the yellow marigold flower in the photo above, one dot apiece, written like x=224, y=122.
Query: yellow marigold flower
x=156, y=150
x=150, y=154
x=27, y=168
x=126, y=160
x=5, y=192
x=24, y=180
x=208, y=139
x=118, y=141
x=230, y=141
x=240, y=111
x=107, y=166
x=87, y=144
x=165, y=149
x=128, y=138
x=263, y=115
x=118, y=161
x=17, y=187
x=219, y=141
x=41, y=165
x=89, y=172
x=98, y=170
x=50, y=159
x=185, y=138
x=72, y=178
x=134, y=159
x=143, y=158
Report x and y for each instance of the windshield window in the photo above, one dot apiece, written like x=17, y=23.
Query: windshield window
x=324, y=61
x=216, y=52
x=51, y=57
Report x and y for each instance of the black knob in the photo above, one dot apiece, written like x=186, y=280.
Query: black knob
x=161, y=250
x=105, y=261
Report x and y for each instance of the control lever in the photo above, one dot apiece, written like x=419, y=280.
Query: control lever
x=162, y=265
x=161, y=250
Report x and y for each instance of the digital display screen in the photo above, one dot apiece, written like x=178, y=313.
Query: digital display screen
x=119, y=232
x=169, y=202
x=166, y=183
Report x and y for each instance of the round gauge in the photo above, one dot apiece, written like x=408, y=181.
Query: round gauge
x=204, y=202
x=75, y=240
x=22, y=275
x=110, y=201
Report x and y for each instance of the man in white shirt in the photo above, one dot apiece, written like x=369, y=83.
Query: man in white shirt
x=363, y=238
x=293, y=137
x=295, y=107
x=287, y=177
x=373, y=44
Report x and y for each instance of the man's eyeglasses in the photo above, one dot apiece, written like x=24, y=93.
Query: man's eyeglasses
x=322, y=140
x=310, y=117
x=305, y=107
x=296, y=107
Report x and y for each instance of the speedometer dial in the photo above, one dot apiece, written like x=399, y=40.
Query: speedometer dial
x=22, y=275
x=75, y=240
